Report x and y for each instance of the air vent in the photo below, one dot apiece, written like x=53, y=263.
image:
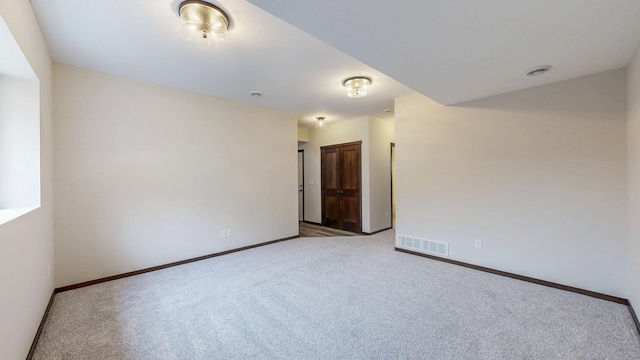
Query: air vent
x=538, y=70
x=424, y=246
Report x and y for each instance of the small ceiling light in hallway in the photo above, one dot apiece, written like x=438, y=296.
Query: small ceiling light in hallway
x=203, y=23
x=320, y=122
x=357, y=86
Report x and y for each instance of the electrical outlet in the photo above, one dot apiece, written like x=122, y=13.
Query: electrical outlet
x=223, y=233
x=478, y=244
x=229, y=232
x=386, y=215
x=318, y=211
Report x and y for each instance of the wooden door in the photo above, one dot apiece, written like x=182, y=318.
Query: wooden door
x=341, y=186
x=300, y=185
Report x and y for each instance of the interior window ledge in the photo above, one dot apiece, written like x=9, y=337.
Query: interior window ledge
x=7, y=215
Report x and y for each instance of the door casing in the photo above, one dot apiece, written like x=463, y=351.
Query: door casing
x=300, y=185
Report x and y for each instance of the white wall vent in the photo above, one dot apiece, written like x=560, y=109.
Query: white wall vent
x=424, y=246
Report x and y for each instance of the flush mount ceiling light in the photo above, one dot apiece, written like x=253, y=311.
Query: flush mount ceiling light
x=320, y=122
x=256, y=93
x=357, y=86
x=538, y=70
x=202, y=22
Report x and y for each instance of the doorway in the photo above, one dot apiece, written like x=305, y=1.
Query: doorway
x=393, y=185
x=341, y=186
x=300, y=185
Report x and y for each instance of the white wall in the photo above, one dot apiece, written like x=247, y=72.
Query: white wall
x=19, y=143
x=26, y=243
x=633, y=133
x=303, y=135
x=147, y=175
x=539, y=175
x=381, y=135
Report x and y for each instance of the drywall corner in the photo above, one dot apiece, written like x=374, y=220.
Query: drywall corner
x=633, y=163
x=539, y=175
x=26, y=242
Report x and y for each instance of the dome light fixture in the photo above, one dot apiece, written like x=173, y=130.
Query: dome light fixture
x=202, y=22
x=320, y=122
x=538, y=70
x=357, y=86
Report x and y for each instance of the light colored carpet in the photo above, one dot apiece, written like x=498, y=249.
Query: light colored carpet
x=332, y=298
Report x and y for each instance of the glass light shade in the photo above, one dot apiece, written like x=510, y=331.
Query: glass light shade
x=320, y=122
x=203, y=23
x=357, y=86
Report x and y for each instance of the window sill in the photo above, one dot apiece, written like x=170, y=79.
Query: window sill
x=7, y=215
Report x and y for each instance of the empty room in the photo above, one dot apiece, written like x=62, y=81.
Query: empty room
x=240, y=179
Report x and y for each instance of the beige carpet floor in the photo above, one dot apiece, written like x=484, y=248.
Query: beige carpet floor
x=332, y=298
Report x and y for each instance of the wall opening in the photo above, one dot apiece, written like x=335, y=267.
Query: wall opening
x=19, y=131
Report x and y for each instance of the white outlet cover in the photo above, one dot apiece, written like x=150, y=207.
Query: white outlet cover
x=229, y=232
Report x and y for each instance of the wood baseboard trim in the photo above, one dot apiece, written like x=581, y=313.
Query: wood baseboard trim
x=160, y=267
x=377, y=231
x=635, y=317
x=523, y=278
x=311, y=222
x=32, y=350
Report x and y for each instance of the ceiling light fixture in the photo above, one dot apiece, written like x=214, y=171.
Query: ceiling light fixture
x=538, y=70
x=202, y=22
x=256, y=93
x=320, y=122
x=357, y=86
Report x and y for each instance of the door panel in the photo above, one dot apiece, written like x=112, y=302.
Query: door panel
x=350, y=187
x=350, y=168
x=330, y=201
x=331, y=215
x=330, y=164
x=350, y=210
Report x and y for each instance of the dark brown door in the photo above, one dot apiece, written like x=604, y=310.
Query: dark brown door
x=341, y=204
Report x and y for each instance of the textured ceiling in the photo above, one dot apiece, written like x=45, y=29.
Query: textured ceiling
x=458, y=50
x=141, y=39
x=450, y=51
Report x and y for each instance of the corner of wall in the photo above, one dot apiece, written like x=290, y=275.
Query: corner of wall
x=26, y=243
x=633, y=181
x=527, y=171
